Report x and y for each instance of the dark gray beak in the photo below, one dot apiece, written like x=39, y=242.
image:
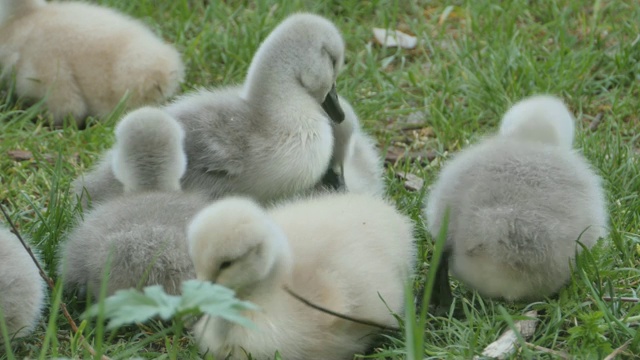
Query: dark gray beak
x=331, y=106
x=333, y=179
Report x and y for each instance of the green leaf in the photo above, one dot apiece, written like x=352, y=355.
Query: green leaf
x=131, y=306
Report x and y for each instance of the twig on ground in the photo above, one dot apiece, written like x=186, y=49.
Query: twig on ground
x=561, y=354
x=337, y=314
x=622, y=299
x=618, y=351
x=51, y=285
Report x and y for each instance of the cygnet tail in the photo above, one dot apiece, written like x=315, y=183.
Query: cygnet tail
x=505, y=235
x=11, y=8
x=149, y=152
x=542, y=118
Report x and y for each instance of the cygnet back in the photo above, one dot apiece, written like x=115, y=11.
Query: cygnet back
x=148, y=153
x=22, y=290
x=541, y=118
x=517, y=210
x=133, y=240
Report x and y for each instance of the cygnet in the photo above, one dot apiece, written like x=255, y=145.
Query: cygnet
x=22, y=290
x=342, y=251
x=519, y=202
x=83, y=58
x=138, y=238
x=272, y=137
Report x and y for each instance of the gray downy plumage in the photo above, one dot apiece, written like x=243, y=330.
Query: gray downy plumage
x=518, y=204
x=138, y=238
x=22, y=290
x=270, y=138
x=132, y=241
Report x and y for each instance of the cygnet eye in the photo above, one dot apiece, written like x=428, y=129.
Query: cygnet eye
x=333, y=59
x=334, y=62
x=225, y=264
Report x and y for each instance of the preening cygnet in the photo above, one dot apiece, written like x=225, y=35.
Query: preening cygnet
x=518, y=202
x=340, y=251
x=138, y=238
x=272, y=137
x=84, y=58
x=22, y=290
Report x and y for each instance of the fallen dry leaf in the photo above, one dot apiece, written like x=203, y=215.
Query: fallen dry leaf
x=411, y=182
x=506, y=343
x=445, y=14
x=20, y=155
x=593, y=126
x=394, y=38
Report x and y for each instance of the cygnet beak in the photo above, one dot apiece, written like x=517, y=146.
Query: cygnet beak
x=334, y=178
x=442, y=297
x=331, y=106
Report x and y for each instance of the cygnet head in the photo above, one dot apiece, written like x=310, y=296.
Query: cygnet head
x=540, y=118
x=303, y=54
x=149, y=154
x=234, y=243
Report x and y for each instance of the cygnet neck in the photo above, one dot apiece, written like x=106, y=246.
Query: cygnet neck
x=272, y=85
x=278, y=95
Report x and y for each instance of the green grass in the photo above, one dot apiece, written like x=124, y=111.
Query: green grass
x=470, y=67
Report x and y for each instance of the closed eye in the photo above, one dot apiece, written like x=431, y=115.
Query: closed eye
x=334, y=61
x=225, y=264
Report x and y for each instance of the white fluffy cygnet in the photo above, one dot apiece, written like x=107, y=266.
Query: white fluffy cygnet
x=272, y=137
x=519, y=201
x=22, y=290
x=341, y=251
x=84, y=58
x=138, y=238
